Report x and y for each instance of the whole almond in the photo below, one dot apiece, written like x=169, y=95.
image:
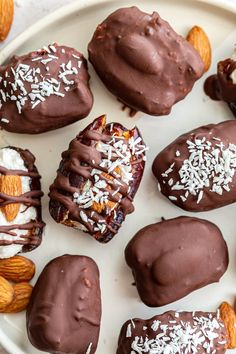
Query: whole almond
x=198, y=38
x=22, y=294
x=228, y=316
x=6, y=17
x=6, y=293
x=17, y=269
x=12, y=186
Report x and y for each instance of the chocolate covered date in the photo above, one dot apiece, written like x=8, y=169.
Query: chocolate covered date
x=143, y=61
x=197, y=170
x=44, y=90
x=173, y=333
x=97, y=179
x=21, y=224
x=63, y=316
x=172, y=258
x=222, y=85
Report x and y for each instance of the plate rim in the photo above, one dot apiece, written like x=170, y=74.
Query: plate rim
x=60, y=13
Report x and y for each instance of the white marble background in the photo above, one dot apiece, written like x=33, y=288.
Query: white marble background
x=28, y=12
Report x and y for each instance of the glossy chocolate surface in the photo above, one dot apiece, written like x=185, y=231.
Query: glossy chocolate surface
x=174, y=332
x=44, y=90
x=64, y=313
x=172, y=258
x=35, y=227
x=220, y=86
x=197, y=170
x=143, y=61
x=97, y=179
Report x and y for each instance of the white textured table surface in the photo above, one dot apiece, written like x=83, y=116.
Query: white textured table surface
x=27, y=12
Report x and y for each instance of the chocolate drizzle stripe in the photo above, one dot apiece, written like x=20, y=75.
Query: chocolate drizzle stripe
x=21, y=173
x=101, y=167
x=31, y=198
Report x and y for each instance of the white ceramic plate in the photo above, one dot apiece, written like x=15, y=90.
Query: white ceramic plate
x=74, y=26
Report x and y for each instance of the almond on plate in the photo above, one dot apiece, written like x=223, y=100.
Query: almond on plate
x=198, y=38
x=17, y=269
x=228, y=315
x=6, y=293
x=6, y=17
x=22, y=293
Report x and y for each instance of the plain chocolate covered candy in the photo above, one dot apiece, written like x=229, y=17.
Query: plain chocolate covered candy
x=222, y=85
x=197, y=170
x=174, y=332
x=143, y=61
x=44, y=90
x=172, y=258
x=64, y=313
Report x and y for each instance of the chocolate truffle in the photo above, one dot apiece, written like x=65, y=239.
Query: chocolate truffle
x=174, y=332
x=97, y=179
x=21, y=224
x=44, y=90
x=143, y=61
x=172, y=258
x=64, y=312
x=222, y=86
x=197, y=170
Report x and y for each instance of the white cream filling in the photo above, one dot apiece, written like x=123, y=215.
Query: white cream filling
x=233, y=74
x=12, y=160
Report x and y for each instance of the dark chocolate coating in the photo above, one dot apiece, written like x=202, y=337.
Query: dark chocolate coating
x=64, y=312
x=172, y=258
x=174, y=332
x=71, y=101
x=220, y=86
x=76, y=169
x=222, y=178
x=143, y=61
x=33, y=238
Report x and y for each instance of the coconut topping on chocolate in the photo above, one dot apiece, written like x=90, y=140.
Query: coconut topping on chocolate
x=109, y=160
x=209, y=166
x=173, y=333
x=203, y=162
x=52, y=76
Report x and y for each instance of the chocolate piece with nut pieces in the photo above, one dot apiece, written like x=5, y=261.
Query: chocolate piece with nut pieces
x=196, y=246
x=97, y=179
x=64, y=313
x=174, y=332
x=21, y=224
x=197, y=171
x=44, y=90
x=143, y=61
